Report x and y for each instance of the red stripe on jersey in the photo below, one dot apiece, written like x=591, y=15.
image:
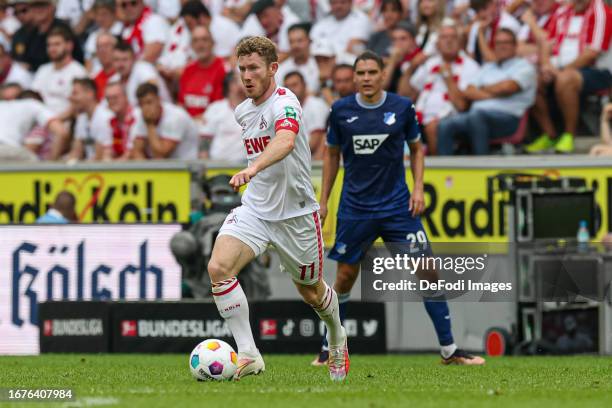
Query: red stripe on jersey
x=287, y=124
x=319, y=242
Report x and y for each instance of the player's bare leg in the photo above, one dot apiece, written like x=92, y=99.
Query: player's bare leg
x=228, y=258
x=324, y=301
x=346, y=275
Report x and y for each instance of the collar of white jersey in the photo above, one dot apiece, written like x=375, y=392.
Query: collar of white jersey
x=367, y=105
x=267, y=100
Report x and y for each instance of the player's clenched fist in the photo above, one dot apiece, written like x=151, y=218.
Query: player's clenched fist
x=242, y=177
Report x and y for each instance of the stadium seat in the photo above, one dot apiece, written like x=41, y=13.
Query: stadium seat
x=514, y=139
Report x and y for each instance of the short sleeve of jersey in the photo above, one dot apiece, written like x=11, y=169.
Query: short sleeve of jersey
x=209, y=124
x=317, y=115
x=333, y=134
x=287, y=112
x=412, y=129
x=101, y=127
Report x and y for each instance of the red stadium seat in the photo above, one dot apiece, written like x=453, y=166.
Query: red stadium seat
x=517, y=137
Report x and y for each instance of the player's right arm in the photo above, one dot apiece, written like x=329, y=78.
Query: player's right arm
x=331, y=163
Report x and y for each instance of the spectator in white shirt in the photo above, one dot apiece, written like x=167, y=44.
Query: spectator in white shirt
x=349, y=29
x=221, y=135
x=162, y=130
x=300, y=58
x=54, y=79
x=314, y=113
x=132, y=73
x=122, y=121
x=93, y=135
x=8, y=23
x=18, y=117
x=106, y=21
x=440, y=83
x=500, y=96
x=145, y=31
x=76, y=12
x=11, y=72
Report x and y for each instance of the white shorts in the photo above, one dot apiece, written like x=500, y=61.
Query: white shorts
x=298, y=241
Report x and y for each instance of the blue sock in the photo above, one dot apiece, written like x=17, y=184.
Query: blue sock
x=343, y=299
x=437, y=309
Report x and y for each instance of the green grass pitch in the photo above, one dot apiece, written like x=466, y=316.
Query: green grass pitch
x=289, y=382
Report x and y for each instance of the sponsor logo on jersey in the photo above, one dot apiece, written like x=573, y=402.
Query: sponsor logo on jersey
x=368, y=144
x=290, y=112
x=389, y=118
x=256, y=144
x=352, y=119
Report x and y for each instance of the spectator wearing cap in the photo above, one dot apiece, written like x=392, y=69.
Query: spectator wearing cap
x=272, y=19
x=54, y=79
x=438, y=86
x=221, y=135
x=300, y=58
x=380, y=42
x=576, y=62
x=178, y=52
x=144, y=30
x=11, y=72
x=122, y=120
x=105, y=46
x=18, y=118
x=405, y=57
x=106, y=21
x=202, y=80
x=93, y=134
x=314, y=113
x=162, y=130
x=132, y=72
x=350, y=29
x=490, y=18
x=8, y=23
x=500, y=96
x=31, y=49
x=342, y=84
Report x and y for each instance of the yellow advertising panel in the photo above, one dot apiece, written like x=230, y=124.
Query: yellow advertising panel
x=461, y=205
x=125, y=196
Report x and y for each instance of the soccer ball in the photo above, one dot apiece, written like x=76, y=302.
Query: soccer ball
x=213, y=359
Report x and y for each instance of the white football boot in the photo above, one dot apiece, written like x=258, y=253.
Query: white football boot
x=339, y=362
x=249, y=364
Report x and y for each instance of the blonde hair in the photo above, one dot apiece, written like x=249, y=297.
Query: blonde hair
x=436, y=19
x=262, y=46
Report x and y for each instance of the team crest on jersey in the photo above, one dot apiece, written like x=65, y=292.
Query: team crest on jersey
x=389, y=118
x=263, y=124
x=368, y=144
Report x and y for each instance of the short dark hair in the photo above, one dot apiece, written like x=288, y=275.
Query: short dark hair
x=295, y=73
x=86, y=83
x=195, y=9
x=30, y=94
x=478, y=5
x=301, y=26
x=406, y=26
x=124, y=46
x=396, y=4
x=145, y=89
x=369, y=55
x=60, y=31
x=338, y=67
x=229, y=77
x=508, y=31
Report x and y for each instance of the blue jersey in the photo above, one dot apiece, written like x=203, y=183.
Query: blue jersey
x=372, y=139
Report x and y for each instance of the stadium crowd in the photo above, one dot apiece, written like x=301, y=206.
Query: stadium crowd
x=153, y=79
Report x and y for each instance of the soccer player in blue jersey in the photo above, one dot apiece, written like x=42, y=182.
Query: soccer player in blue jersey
x=369, y=130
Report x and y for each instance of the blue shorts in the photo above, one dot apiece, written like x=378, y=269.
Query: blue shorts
x=355, y=237
x=595, y=80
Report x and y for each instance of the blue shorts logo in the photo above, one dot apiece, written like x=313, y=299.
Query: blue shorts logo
x=341, y=248
x=389, y=118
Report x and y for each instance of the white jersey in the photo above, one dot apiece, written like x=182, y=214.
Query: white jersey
x=95, y=130
x=283, y=190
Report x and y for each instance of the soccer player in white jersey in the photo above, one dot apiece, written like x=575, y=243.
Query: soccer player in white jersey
x=278, y=208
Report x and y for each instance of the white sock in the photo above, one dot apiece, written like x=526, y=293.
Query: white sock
x=329, y=312
x=234, y=308
x=448, y=351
